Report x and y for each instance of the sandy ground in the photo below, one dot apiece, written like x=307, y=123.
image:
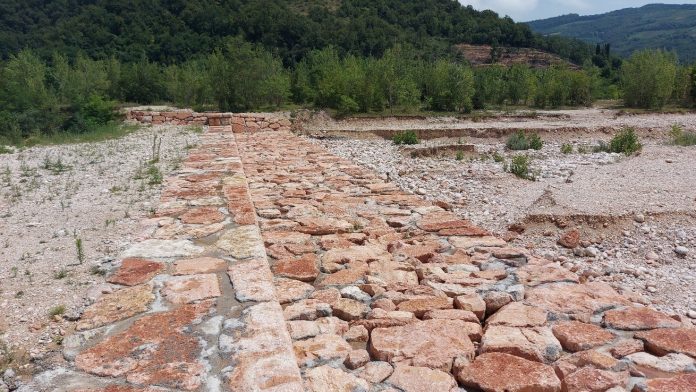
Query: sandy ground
x=51, y=197
x=632, y=212
x=590, y=118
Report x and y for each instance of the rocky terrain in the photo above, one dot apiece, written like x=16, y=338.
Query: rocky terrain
x=635, y=217
x=276, y=262
x=51, y=198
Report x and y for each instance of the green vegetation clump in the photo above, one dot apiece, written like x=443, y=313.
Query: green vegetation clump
x=648, y=79
x=406, y=137
x=460, y=156
x=519, y=166
x=519, y=141
x=56, y=310
x=682, y=138
x=625, y=142
x=567, y=148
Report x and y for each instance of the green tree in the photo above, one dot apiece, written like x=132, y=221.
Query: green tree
x=242, y=76
x=450, y=87
x=28, y=103
x=648, y=77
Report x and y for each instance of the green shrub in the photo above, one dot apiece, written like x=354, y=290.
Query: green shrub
x=498, y=158
x=625, y=142
x=681, y=138
x=519, y=141
x=567, y=148
x=535, y=142
x=519, y=166
x=460, y=156
x=407, y=137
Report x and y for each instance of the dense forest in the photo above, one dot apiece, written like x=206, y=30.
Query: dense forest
x=670, y=27
x=172, y=31
x=67, y=64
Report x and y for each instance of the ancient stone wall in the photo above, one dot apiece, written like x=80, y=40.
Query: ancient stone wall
x=240, y=122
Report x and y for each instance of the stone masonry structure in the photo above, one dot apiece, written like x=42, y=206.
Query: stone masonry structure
x=273, y=265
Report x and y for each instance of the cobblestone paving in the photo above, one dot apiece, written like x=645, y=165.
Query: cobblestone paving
x=276, y=266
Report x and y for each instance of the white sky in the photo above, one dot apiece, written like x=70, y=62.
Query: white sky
x=526, y=10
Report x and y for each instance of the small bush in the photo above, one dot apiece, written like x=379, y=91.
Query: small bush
x=460, y=156
x=535, y=142
x=519, y=141
x=681, y=138
x=154, y=175
x=625, y=142
x=519, y=166
x=408, y=138
x=498, y=158
x=56, y=310
x=567, y=148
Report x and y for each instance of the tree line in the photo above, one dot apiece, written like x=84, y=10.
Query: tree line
x=47, y=96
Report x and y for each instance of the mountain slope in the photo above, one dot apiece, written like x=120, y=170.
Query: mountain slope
x=170, y=31
x=664, y=26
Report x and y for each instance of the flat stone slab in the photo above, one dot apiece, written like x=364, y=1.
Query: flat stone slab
x=430, y=343
x=119, y=305
x=199, y=265
x=638, y=319
x=242, y=242
x=576, y=336
x=164, y=249
x=144, y=354
x=135, y=271
x=495, y=372
x=672, y=340
x=190, y=289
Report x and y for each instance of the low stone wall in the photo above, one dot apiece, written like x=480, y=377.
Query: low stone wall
x=240, y=122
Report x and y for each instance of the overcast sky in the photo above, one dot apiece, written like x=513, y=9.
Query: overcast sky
x=526, y=10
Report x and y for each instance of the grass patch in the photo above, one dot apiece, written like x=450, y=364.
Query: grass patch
x=520, y=141
x=154, y=175
x=519, y=166
x=682, y=138
x=460, y=156
x=406, y=137
x=62, y=274
x=56, y=310
x=55, y=166
x=5, y=150
x=96, y=134
x=567, y=148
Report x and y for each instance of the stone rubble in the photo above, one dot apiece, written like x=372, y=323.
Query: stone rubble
x=325, y=277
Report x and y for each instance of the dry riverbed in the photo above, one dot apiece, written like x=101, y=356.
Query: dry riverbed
x=64, y=211
x=635, y=216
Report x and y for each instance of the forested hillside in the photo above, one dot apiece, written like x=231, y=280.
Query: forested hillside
x=68, y=64
x=171, y=31
x=656, y=26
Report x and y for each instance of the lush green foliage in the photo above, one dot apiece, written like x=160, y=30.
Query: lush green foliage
x=667, y=26
x=172, y=32
x=625, y=142
x=519, y=166
x=682, y=138
x=406, y=137
x=520, y=141
x=648, y=79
